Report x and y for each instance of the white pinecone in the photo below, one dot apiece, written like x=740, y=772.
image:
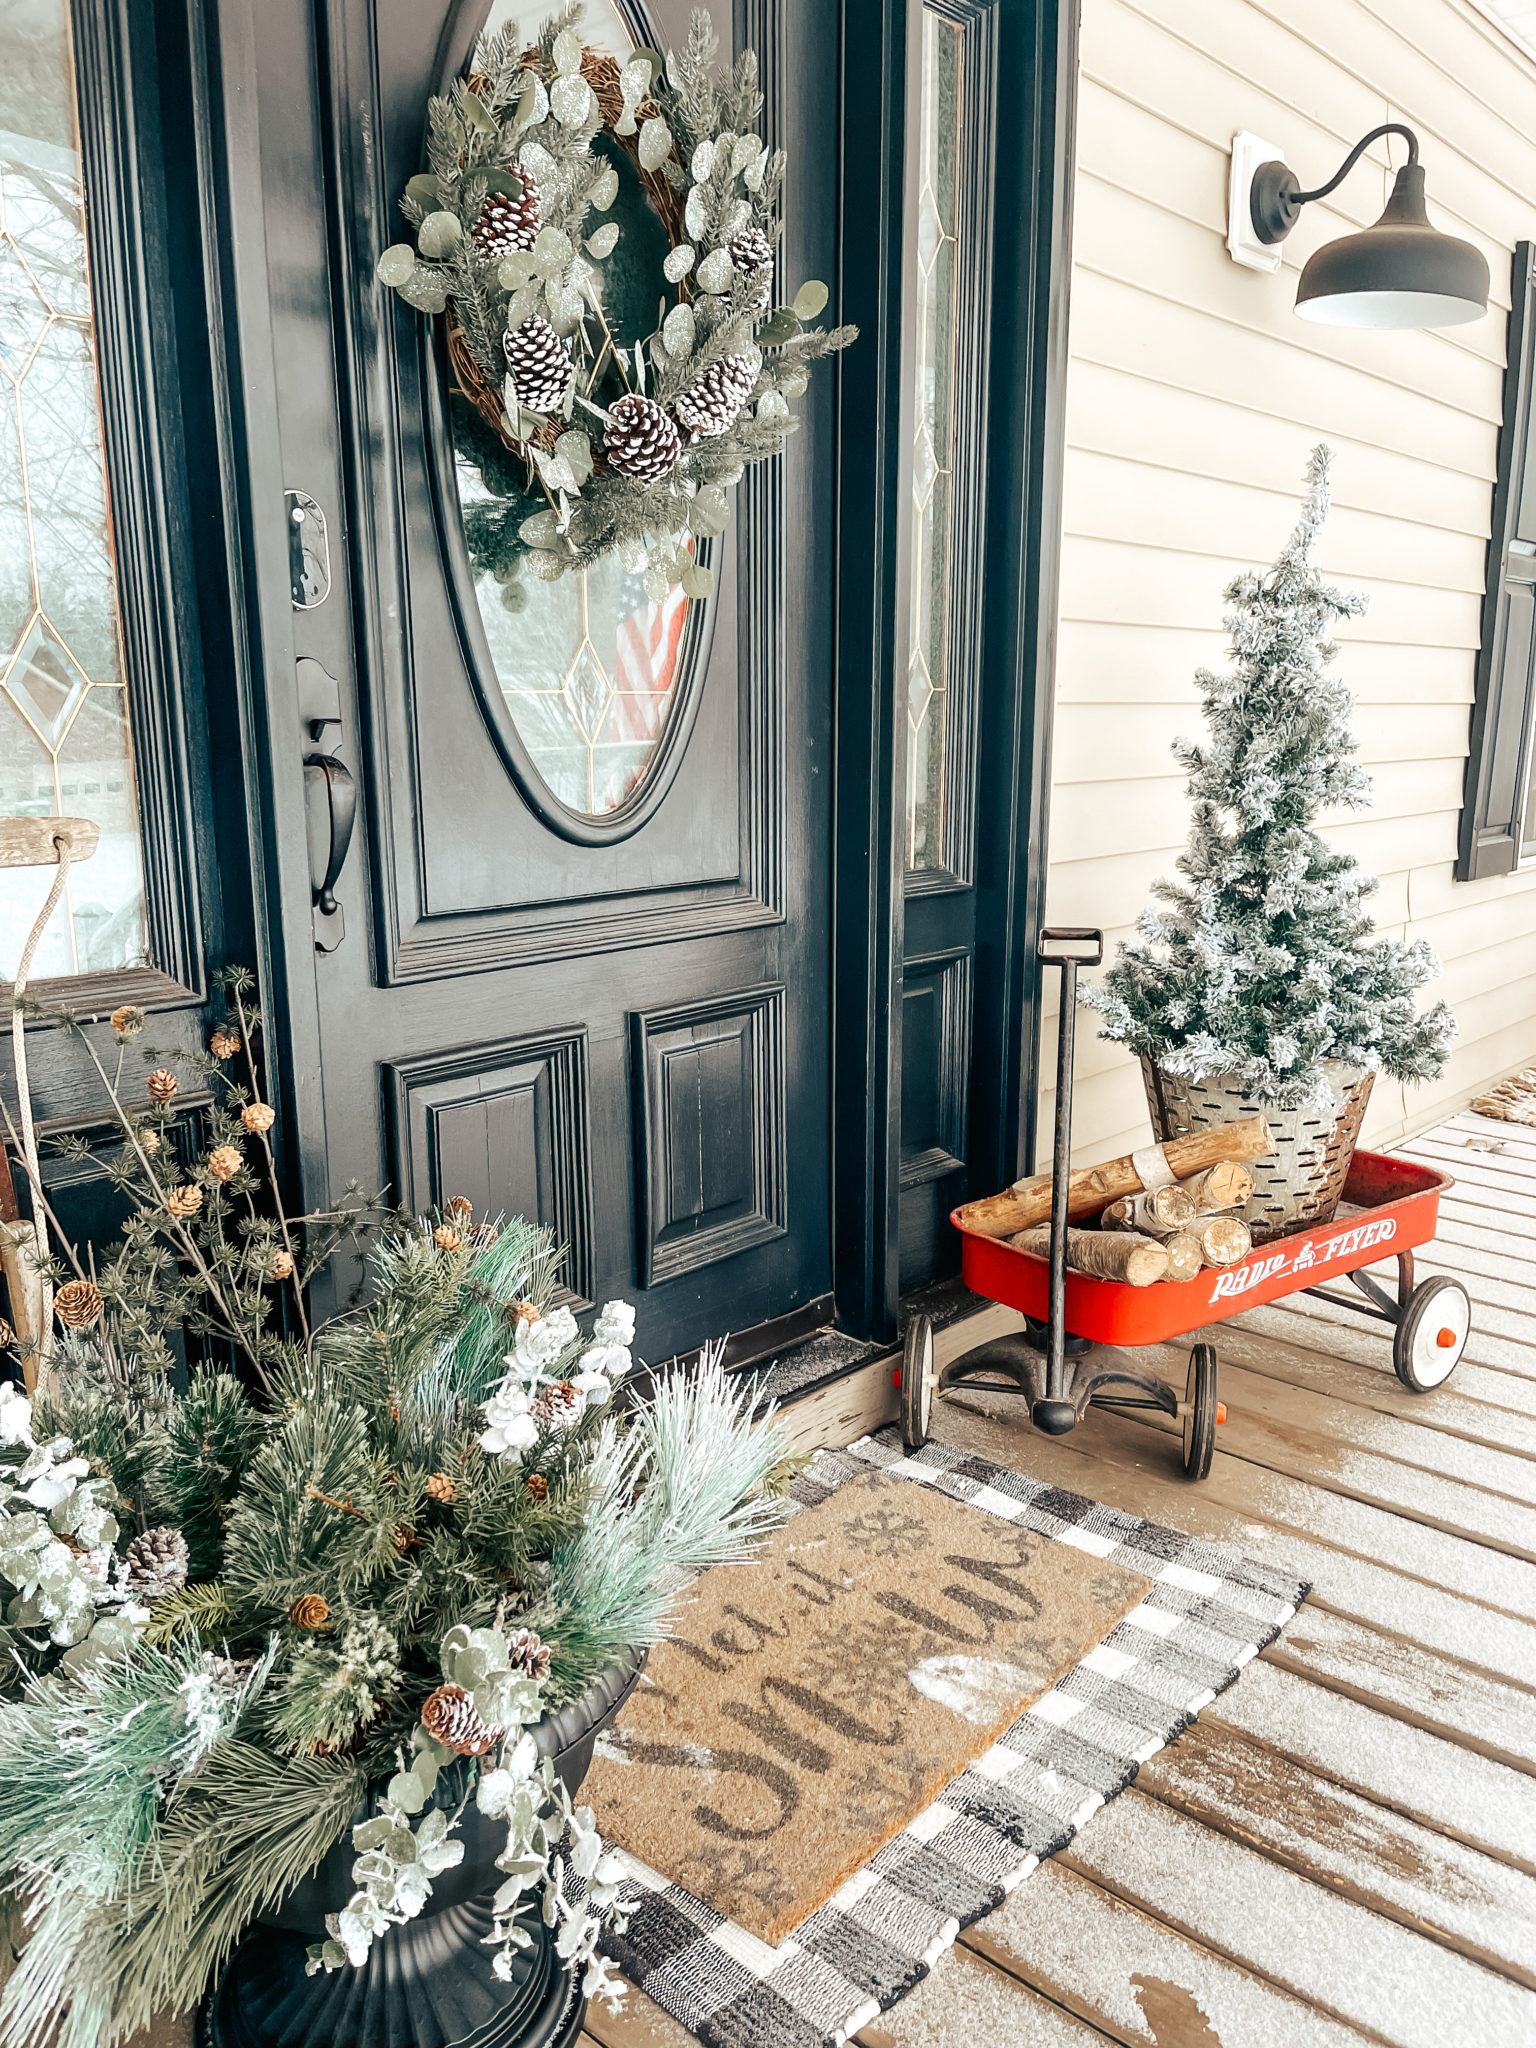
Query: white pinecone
x=540, y=364
x=711, y=403
x=526, y=1652
x=156, y=1563
x=751, y=251
x=449, y=1717
x=642, y=442
x=506, y=224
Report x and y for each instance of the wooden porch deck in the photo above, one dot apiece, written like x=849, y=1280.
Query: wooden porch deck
x=1343, y=1849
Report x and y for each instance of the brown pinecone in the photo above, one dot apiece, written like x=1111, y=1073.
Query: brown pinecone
x=526, y=1653
x=78, y=1304
x=507, y=224
x=309, y=1611
x=540, y=364
x=537, y=1485
x=440, y=1486
x=642, y=442
x=224, y=1044
x=711, y=403
x=281, y=1265
x=525, y=1312
x=149, y=1139
x=184, y=1202
x=751, y=251
x=7, y=1334
x=406, y=1538
x=162, y=1084
x=449, y=1717
x=258, y=1116
x=458, y=1208
x=558, y=1407
x=446, y=1238
x=224, y=1162
x=156, y=1563
x=127, y=1020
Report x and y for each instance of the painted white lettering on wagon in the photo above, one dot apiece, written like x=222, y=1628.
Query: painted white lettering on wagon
x=1361, y=1237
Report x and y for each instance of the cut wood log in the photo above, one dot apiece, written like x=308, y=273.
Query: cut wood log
x=1186, y=1260
x=1090, y=1188
x=1159, y=1212
x=1103, y=1254
x=1223, y=1239
x=1226, y=1185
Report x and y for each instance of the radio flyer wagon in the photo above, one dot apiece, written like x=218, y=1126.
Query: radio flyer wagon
x=1389, y=1206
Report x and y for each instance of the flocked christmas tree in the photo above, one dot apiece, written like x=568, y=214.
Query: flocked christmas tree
x=1262, y=963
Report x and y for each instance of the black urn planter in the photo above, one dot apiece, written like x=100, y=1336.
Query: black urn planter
x=427, y=1984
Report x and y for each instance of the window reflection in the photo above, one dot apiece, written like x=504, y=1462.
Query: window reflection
x=589, y=666
x=65, y=746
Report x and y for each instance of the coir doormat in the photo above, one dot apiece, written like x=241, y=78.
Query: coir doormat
x=1207, y=1613
x=807, y=1706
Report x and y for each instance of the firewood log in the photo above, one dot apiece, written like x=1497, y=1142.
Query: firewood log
x=1105, y=1254
x=1186, y=1260
x=1226, y=1185
x=1159, y=1212
x=1090, y=1188
x=1223, y=1239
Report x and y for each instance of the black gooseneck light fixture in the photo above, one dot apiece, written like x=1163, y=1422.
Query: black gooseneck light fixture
x=1399, y=273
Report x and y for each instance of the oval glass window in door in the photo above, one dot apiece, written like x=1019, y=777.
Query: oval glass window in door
x=590, y=668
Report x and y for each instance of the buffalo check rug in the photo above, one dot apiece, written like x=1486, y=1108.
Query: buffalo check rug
x=1208, y=1612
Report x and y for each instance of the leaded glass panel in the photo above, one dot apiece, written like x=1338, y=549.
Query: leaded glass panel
x=65, y=744
x=933, y=442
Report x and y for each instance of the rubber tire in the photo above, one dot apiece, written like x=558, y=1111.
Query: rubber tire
x=1418, y=1320
x=919, y=1377
x=1200, y=1412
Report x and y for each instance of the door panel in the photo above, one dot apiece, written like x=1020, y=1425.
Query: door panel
x=624, y=1029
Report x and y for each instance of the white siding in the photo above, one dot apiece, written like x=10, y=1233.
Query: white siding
x=1194, y=396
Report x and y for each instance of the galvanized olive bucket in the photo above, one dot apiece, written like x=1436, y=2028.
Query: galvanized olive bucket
x=1302, y=1180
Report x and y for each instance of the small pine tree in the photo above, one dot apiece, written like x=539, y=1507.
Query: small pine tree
x=1263, y=963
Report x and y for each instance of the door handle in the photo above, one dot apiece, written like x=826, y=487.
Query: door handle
x=341, y=809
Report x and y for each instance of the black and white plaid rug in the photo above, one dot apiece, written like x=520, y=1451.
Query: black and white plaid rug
x=1209, y=1612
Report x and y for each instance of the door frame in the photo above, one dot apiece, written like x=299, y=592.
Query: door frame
x=1036, y=52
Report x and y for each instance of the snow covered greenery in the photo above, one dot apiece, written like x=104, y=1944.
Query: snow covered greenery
x=1263, y=964
x=230, y=1618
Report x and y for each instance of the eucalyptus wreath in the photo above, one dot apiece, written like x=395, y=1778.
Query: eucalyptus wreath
x=634, y=374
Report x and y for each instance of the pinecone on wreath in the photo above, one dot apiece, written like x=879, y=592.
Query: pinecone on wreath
x=527, y=1652
x=642, y=442
x=711, y=403
x=505, y=224
x=751, y=251
x=156, y=1563
x=449, y=1717
x=540, y=364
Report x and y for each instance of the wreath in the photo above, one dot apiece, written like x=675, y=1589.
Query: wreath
x=624, y=445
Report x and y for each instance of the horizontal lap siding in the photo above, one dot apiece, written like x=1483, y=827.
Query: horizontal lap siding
x=1194, y=396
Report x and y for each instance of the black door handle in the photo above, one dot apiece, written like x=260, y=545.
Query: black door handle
x=341, y=801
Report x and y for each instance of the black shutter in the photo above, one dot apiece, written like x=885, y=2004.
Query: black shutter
x=1499, y=764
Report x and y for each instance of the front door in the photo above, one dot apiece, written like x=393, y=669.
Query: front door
x=578, y=963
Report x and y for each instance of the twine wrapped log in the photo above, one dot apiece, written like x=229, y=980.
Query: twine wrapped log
x=1227, y=1185
x=1103, y=1255
x=1224, y=1240
x=1186, y=1259
x=1090, y=1188
x=1157, y=1213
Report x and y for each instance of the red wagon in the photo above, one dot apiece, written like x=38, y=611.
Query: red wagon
x=1389, y=1207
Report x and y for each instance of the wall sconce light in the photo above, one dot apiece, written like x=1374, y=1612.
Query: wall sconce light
x=1399, y=273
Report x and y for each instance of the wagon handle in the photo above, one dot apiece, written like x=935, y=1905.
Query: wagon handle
x=1067, y=947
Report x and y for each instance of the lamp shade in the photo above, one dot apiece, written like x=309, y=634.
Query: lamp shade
x=1399, y=273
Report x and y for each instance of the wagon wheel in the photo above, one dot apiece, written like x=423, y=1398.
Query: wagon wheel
x=1200, y=1412
x=1431, y=1334
x=918, y=1380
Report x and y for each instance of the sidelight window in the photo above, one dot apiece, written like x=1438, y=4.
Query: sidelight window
x=66, y=745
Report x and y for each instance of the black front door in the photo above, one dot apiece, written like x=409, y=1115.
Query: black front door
x=576, y=970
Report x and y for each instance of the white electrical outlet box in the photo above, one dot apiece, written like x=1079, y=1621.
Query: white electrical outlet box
x=1243, y=245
